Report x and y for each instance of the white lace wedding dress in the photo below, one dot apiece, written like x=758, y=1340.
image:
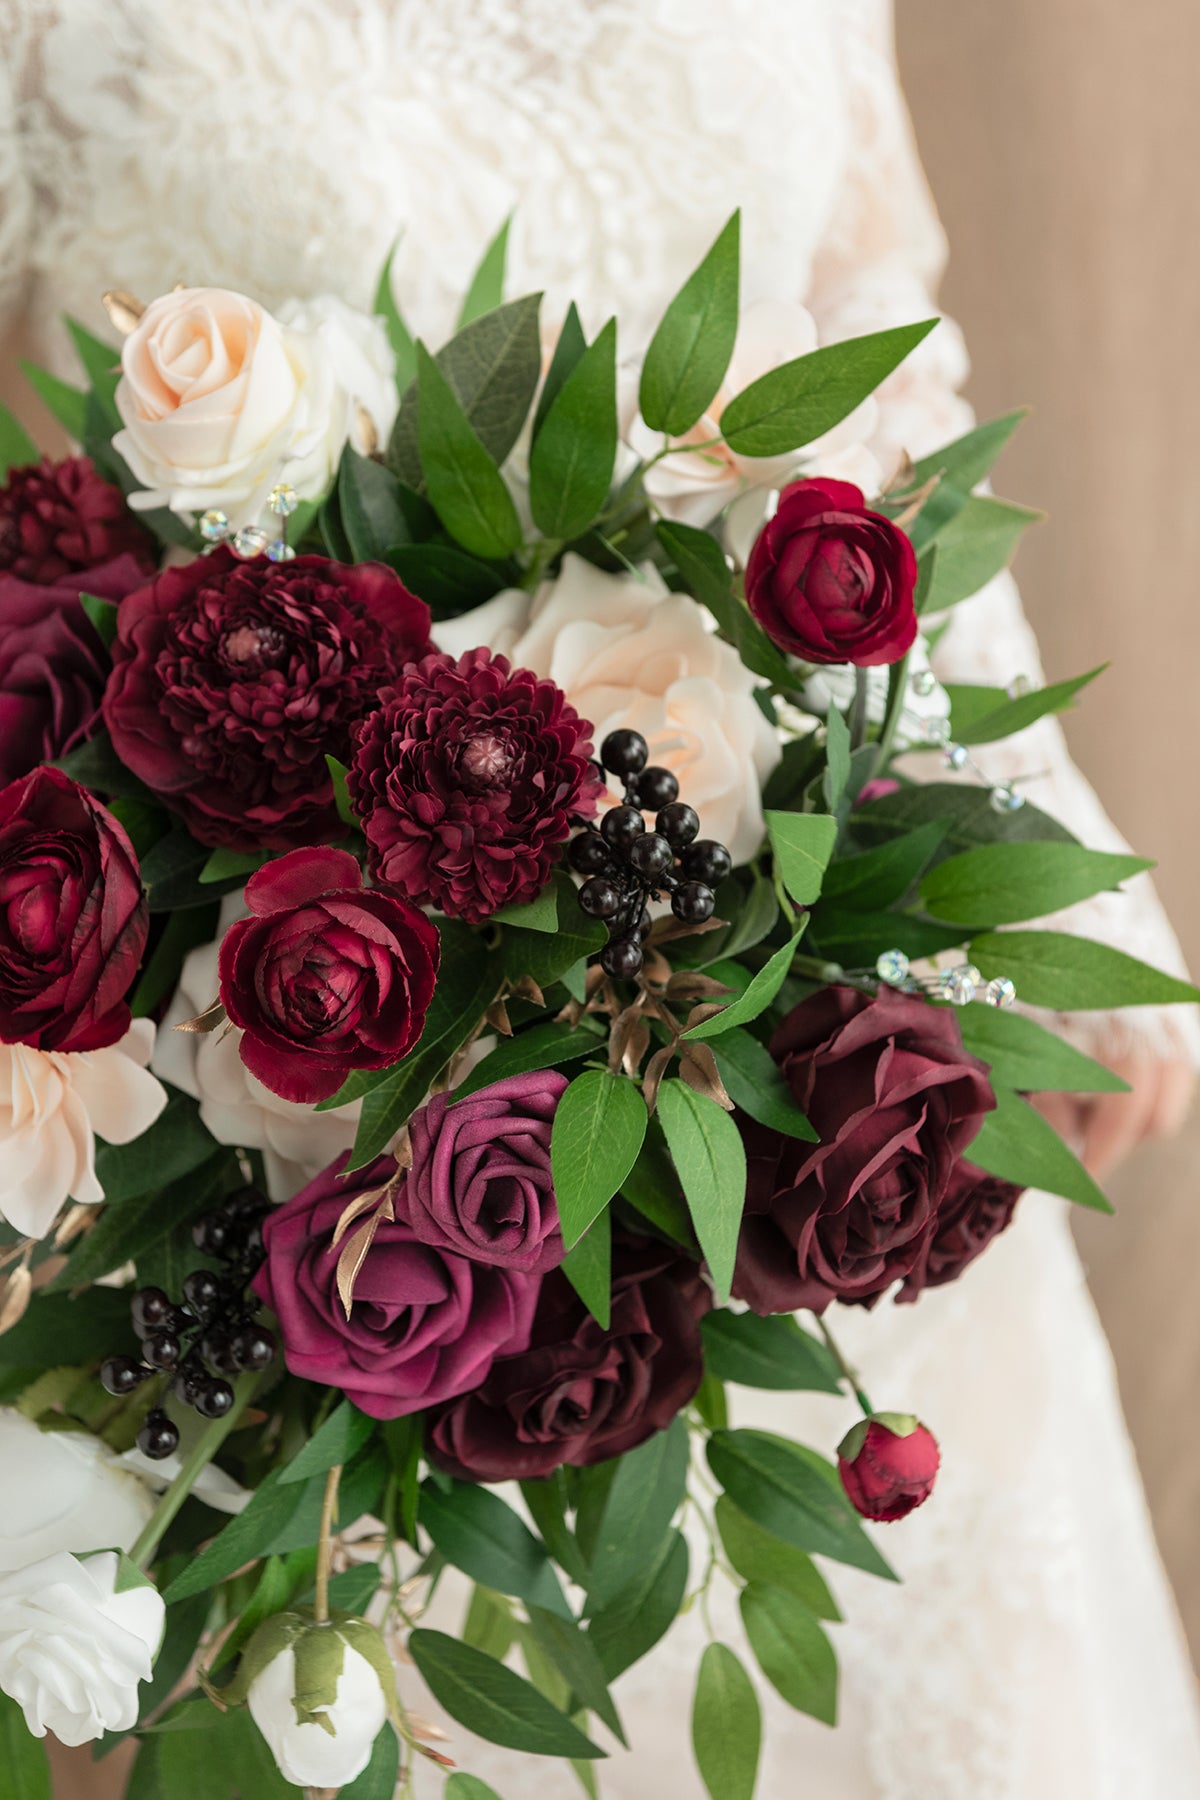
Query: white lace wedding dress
x=278, y=146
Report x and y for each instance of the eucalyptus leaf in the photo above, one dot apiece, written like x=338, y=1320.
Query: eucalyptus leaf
x=644, y=1610
x=338, y=1440
x=880, y=877
x=546, y=1046
x=791, y=1649
x=726, y=1726
x=701, y=562
x=569, y=348
x=175, y=1144
x=771, y=1353
x=373, y=515
x=67, y=404
x=976, y=545
x=965, y=813
x=399, y=337
x=476, y=1531
x=598, y=1129
x=999, y=884
x=487, y=284
x=493, y=366
x=757, y=1555
x=710, y=1160
x=837, y=758
x=800, y=401
x=588, y=1267
x=793, y=1493
x=754, y=1083
x=753, y=1000
x=1017, y=1144
x=379, y=1779
x=448, y=580
x=690, y=351
x=574, y=454
x=574, y=1655
x=1074, y=974
x=981, y=715
x=1025, y=1056
x=493, y=1701
x=647, y=1490
x=959, y=467
x=466, y=487
x=802, y=844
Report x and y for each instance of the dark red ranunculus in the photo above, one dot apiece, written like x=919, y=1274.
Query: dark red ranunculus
x=61, y=519
x=424, y=1324
x=580, y=1394
x=888, y=1465
x=466, y=780
x=233, y=680
x=975, y=1209
x=325, y=975
x=832, y=582
x=73, y=917
x=895, y=1099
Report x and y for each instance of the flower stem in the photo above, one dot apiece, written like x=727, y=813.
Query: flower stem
x=858, y=712
x=848, y=1373
x=197, y=1459
x=325, y=1546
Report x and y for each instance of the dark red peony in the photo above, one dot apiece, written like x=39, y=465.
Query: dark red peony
x=888, y=1465
x=466, y=780
x=61, y=520
x=233, y=680
x=325, y=976
x=424, y=1324
x=73, y=917
x=580, y=1394
x=975, y=1209
x=896, y=1099
x=832, y=582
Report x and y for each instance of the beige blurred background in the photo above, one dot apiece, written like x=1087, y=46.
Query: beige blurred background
x=1061, y=138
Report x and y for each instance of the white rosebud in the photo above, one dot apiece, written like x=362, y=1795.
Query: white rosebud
x=77, y=1635
x=319, y=1693
x=63, y=1490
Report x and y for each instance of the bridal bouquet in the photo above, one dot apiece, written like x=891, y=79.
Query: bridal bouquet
x=480, y=952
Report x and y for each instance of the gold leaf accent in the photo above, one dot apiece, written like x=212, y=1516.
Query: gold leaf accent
x=699, y=1014
x=690, y=984
x=360, y=1204
x=527, y=989
x=656, y=1068
x=206, y=1021
x=435, y=1756
x=367, y=434
x=636, y=1048
x=902, y=476
x=425, y=1728
x=666, y=929
x=123, y=310
x=18, y=1291
x=353, y=1257
x=698, y=1066
x=497, y=1018
x=916, y=501
x=79, y=1219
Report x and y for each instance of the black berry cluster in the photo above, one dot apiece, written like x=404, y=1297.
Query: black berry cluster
x=627, y=866
x=211, y=1335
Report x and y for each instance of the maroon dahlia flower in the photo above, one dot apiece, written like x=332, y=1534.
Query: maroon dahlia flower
x=63, y=519
x=466, y=780
x=233, y=680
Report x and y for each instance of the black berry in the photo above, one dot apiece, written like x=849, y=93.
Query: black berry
x=158, y=1437
x=621, y=824
x=150, y=1309
x=213, y=1233
x=201, y=1290
x=600, y=898
x=707, y=861
x=214, y=1399
x=624, y=752
x=622, y=958
x=656, y=788
x=252, y=1348
x=588, y=854
x=651, y=855
x=678, y=823
x=645, y=925
x=161, y=1349
x=217, y=1352
x=693, y=903
x=121, y=1374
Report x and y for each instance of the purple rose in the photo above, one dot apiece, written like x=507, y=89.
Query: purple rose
x=480, y=1181
x=425, y=1325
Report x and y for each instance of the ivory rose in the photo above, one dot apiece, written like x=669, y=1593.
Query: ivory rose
x=63, y=1490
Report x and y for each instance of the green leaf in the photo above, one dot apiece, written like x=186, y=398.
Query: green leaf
x=61, y=1329
x=997, y=884
x=1073, y=974
x=465, y=486
x=803, y=399
x=541, y=1047
x=1023, y=1055
x=567, y=352
x=479, y=1534
x=746, y=635
x=767, y=1353
x=341, y=792
x=228, y=1757
x=67, y=404
x=980, y=541
x=172, y=870
x=493, y=1701
x=726, y=1726
x=965, y=814
x=754, y=999
x=487, y=284
x=469, y=1787
x=802, y=844
x=448, y=580
x=22, y=1756
x=182, y=932
x=535, y=915
x=690, y=351
x=379, y=1779
x=573, y=456
x=103, y=615
x=981, y=715
x=752, y=920
x=647, y=1491
x=651, y=1187
x=1016, y=1143
x=573, y=1654
x=369, y=501
x=878, y=878
x=588, y=1268
x=96, y=765
x=644, y=1610
x=754, y=1083
x=17, y=448
x=854, y=939
x=757, y=1555
x=837, y=758
x=492, y=365
x=792, y=1650
x=338, y=1440
x=960, y=466
x=701, y=562
x=171, y=1148
x=399, y=336
x=102, y=365
x=273, y=1591
x=545, y=957
x=231, y=865
x=490, y=1625
x=793, y=1493
x=710, y=1160
x=598, y=1130
x=124, y=1233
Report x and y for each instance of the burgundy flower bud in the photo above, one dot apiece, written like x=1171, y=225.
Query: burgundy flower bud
x=61, y=520
x=888, y=1464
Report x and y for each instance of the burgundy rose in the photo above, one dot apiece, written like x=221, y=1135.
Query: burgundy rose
x=73, y=917
x=466, y=781
x=831, y=581
x=233, y=680
x=325, y=975
x=424, y=1325
x=580, y=1394
x=895, y=1099
x=480, y=1180
x=888, y=1464
x=59, y=520
x=975, y=1209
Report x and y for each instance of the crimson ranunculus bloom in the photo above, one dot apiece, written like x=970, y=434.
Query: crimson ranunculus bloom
x=466, y=781
x=325, y=975
x=73, y=917
x=480, y=1180
x=425, y=1324
x=233, y=680
x=61, y=519
x=895, y=1099
x=888, y=1469
x=975, y=1209
x=831, y=581
x=581, y=1394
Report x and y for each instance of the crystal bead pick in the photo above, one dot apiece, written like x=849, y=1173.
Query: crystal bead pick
x=214, y=526
x=283, y=499
x=1000, y=991
x=935, y=731
x=892, y=967
x=923, y=682
x=280, y=551
x=1005, y=799
x=1020, y=684
x=957, y=756
x=960, y=985
x=250, y=541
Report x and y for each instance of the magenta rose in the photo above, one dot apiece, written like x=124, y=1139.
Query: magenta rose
x=325, y=975
x=975, y=1209
x=425, y=1324
x=73, y=916
x=580, y=1394
x=888, y=1465
x=59, y=520
x=467, y=780
x=832, y=582
x=480, y=1180
x=895, y=1099
x=232, y=681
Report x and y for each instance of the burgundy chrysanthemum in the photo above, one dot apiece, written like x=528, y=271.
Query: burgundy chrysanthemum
x=232, y=681
x=466, y=779
x=60, y=519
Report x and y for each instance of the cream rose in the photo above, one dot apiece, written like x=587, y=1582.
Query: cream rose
x=52, y=1103
x=63, y=1490
x=219, y=400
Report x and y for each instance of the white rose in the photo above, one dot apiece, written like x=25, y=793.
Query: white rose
x=321, y=1725
x=924, y=716
x=63, y=1490
x=219, y=400
x=77, y=1635
x=628, y=652
x=52, y=1102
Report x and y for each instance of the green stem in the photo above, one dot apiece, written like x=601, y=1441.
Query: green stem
x=325, y=1544
x=897, y=687
x=847, y=1372
x=858, y=712
x=197, y=1458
